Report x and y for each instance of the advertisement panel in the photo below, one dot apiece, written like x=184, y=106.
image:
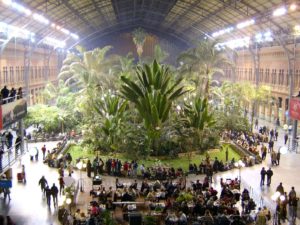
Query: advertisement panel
x=295, y=108
x=13, y=111
x=1, y=117
x=5, y=184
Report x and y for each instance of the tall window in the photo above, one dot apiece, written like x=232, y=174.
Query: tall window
x=18, y=79
x=5, y=75
x=267, y=76
x=22, y=73
x=250, y=74
x=11, y=74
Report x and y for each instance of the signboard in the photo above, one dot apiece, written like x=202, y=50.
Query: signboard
x=12, y=112
x=1, y=117
x=295, y=108
x=5, y=184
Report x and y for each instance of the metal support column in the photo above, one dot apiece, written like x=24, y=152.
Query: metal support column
x=47, y=56
x=256, y=63
x=21, y=133
x=291, y=57
x=27, y=54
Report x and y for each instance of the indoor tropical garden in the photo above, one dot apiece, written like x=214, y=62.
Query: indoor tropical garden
x=143, y=118
x=146, y=109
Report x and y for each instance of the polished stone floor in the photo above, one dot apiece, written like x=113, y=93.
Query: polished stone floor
x=28, y=206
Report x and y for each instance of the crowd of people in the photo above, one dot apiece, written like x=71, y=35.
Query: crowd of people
x=11, y=95
x=173, y=201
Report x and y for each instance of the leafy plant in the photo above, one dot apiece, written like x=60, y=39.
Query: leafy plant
x=184, y=197
x=152, y=95
x=139, y=37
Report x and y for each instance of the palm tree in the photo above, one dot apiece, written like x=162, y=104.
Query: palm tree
x=203, y=61
x=253, y=96
x=110, y=109
x=139, y=37
x=90, y=71
x=152, y=94
x=198, y=117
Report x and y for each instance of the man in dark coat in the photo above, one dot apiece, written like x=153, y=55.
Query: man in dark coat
x=4, y=93
x=43, y=182
x=48, y=195
x=54, y=193
x=269, y=176
x=262, y=175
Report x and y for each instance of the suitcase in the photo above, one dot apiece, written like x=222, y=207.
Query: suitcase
x=20, y=177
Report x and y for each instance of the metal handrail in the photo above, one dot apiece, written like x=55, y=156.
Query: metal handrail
x=10, y=156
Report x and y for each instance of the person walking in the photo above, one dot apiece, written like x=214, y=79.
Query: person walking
x=263, y=152
x=262, y=176
x=1, y=157
x=61, y=184
x=276, y=135
x=54, y=193
x=256, y=124
x=44, y=151
x=9, y=138
x=89, y=168
x=271, y=145
x=24, y=173
x=43, y=183
x=293, y=204
x=278, y=157
x=48, y=195
x=286, y=137
x=280, y=188
x=269, y=176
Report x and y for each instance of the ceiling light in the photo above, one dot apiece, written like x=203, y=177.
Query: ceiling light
x=54, y=42
x=238, y=43
x=296, y=30
x=293, y=7
x=245, y=24
x=65, y=31
x=20, y=8
x=279, y=12
x=221, y=32
x=53, y=25
x=7, y=2
x=75, y=36
x=268, y=36
x=40, y=18
x=259, y=37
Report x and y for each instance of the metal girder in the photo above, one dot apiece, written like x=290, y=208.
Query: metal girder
x=212, y=14
x=259, y=12
x=76, y=13
x=186, y=11
x=99, y=11
x=127, y=26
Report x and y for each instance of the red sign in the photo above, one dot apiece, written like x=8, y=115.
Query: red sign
x=1, y=126
x=295, y=108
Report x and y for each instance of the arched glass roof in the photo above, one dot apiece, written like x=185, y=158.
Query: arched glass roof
x=184, y=20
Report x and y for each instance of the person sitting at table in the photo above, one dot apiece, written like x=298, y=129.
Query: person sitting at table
x=151, y=196
x=94, y=193
x=156, y=185
x=197, y=186
x=134, y=185
x=127, y=197
x=102, y=196
x=132, y=192
x=145, y=187
x=94, y=209
x=171, y=218
x=182, y=218
x=147, y=174
x=118, y=184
